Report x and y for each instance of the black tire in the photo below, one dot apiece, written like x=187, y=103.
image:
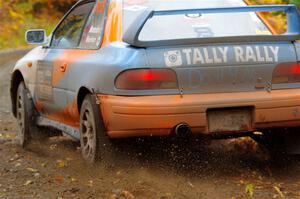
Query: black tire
x=25, y=116
x=95, y=144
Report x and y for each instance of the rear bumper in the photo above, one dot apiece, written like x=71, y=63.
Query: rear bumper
x=158, y=115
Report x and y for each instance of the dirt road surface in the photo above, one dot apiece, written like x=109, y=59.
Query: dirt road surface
x=143, y=169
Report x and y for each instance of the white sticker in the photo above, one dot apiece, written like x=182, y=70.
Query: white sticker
x=267, y=54
x=135, y=8
x=90, y=39
x=221, y=55
x=95, y=30
x=173, y=58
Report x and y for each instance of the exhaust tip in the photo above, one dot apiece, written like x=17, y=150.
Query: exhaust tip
x=182, y=130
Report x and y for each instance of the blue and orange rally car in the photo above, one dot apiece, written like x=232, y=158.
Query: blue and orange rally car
x=134, y=68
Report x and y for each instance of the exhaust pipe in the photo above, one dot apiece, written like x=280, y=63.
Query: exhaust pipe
x=182, y=130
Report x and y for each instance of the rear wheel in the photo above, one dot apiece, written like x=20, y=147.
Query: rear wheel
x=95, y=144
x=25, y=116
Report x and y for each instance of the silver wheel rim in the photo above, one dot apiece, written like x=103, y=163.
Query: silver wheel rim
x=88, y=135
x=20, y=117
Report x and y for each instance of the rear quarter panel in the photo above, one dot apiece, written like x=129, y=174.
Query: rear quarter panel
x=98, y=71
x=297, y=47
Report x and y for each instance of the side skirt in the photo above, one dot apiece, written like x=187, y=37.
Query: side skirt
x=71, y=131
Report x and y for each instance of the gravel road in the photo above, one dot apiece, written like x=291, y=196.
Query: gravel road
x=144, y=169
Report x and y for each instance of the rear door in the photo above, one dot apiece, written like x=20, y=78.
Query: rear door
x=52, y=77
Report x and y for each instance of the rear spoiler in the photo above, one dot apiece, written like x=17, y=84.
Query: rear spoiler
x=293, y=32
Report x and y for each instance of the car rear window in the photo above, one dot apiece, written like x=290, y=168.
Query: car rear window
x=194, y=25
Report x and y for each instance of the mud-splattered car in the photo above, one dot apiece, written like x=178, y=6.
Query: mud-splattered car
x=116, y=69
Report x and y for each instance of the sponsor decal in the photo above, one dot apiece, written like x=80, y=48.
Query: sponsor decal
x=173, y=58
x=44, y=81
x=91, y=39
x=95, y=30
x=220, y=55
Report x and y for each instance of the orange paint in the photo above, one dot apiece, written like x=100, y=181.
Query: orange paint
x=72, y=114
x=39, y=106
x=63, y=67
x=72, y=118
x=113, y=30
x=100, y=7
x=67, y=58
x=157, y=115
x=29, y=64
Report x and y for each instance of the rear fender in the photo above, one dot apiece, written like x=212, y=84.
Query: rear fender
x=297, y=47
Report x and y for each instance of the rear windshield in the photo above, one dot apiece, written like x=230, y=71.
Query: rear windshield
x=194, y=25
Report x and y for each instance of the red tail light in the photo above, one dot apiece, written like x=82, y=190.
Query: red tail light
x=286, y=73
x=147, y=79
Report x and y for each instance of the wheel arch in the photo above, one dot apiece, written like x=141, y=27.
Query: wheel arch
x=83, y=91
x=16, y=79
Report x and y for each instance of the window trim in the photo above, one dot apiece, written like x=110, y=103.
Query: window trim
x=104, y=27
x=80, y=3
x=85, y=23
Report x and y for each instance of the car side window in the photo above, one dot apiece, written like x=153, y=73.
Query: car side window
x=69, y=32
x=93, y=32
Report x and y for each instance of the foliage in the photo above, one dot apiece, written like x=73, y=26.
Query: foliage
x=250, y=189
x=297, y=2
x=19, y=15
x=276, y=19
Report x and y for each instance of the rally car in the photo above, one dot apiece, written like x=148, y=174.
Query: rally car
x=116, y=69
